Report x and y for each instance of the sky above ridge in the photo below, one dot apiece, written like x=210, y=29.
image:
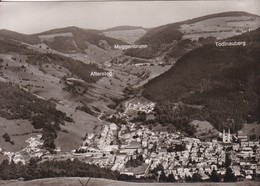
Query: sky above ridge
x=34, y=17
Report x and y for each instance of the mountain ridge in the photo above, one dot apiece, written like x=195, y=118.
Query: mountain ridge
x=124, y=27
x=74, y=38
x=159, y=39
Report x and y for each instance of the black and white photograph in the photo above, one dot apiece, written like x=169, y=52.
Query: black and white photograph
x=130, y=93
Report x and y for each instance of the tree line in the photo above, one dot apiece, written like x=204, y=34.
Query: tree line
x=36, y=169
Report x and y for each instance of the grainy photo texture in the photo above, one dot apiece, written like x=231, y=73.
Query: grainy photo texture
x=113, y=93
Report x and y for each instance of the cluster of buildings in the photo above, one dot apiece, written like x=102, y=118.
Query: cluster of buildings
x=147, y=108
x=138, y=151
x=33, y=150
x=106, y=137
x=181, y=156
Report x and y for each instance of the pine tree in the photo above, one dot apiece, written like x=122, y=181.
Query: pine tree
x=171, y=178
x=229, y=176
x=32, y=170
x=196, y=177
x=163, y=177
x=4, y=170
x=214, y=176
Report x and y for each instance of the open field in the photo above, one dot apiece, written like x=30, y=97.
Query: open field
x=83, y=123
x=220, y=27
x=204, y=130
x=34, y=77
x=105, y=182
x=19, y=131
x=252, y=129
x=154, y=72
x=129, y=36
x=51, y=36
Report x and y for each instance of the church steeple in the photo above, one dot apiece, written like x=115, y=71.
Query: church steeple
x=226, y=136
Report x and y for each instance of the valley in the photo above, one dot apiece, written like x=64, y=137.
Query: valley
x=159, y=114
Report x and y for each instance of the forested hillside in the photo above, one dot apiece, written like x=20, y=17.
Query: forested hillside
x=19, y=104
x=224, y=81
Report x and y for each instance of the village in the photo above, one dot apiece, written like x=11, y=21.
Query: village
x=140, y=151
x=135, y=150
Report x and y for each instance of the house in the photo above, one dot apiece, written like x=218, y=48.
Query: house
x=214, y=167
x=90, y=136
x=246, y=152
x=113, y=127
x=110, y=148
x=236, y=170
x=257, y=170
x=257, y=154
x=207, y=168
x=144, y=142
x=242, y=136
x=248, y=171
x=162, y=152
x=134, y=145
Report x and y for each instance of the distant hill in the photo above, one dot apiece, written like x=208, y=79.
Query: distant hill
x=225, y=81
x=128, y=34
x=123, y=27
x=66, y=40
x=76, y=67
x=31, y=39
x=165, y=37
x=75, y=39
